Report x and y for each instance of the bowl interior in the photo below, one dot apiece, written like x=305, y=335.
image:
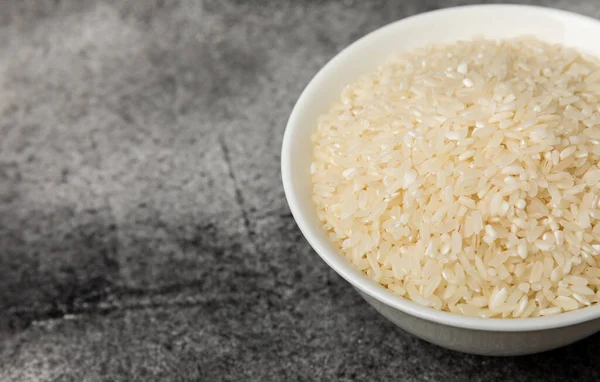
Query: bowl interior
x=365, y=55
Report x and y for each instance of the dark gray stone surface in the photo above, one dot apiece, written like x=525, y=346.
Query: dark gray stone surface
x=144, y=233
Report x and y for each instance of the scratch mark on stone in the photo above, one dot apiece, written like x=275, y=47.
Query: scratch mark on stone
x=259, y=254
x=124, y=301
x=238, y=193
x=112, y=251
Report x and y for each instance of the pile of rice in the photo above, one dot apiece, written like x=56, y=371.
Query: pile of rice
x=466, y=177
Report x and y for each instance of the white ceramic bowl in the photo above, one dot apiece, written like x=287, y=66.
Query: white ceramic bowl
x=467, y=334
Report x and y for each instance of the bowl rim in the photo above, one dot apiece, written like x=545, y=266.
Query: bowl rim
x=345, y=269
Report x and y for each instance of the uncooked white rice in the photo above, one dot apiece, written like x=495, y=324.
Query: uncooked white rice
x=466, y=177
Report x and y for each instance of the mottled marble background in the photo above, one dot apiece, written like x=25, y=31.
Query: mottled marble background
x=144, y=234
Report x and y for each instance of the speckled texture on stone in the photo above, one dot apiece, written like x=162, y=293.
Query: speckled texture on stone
x=144, y=234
